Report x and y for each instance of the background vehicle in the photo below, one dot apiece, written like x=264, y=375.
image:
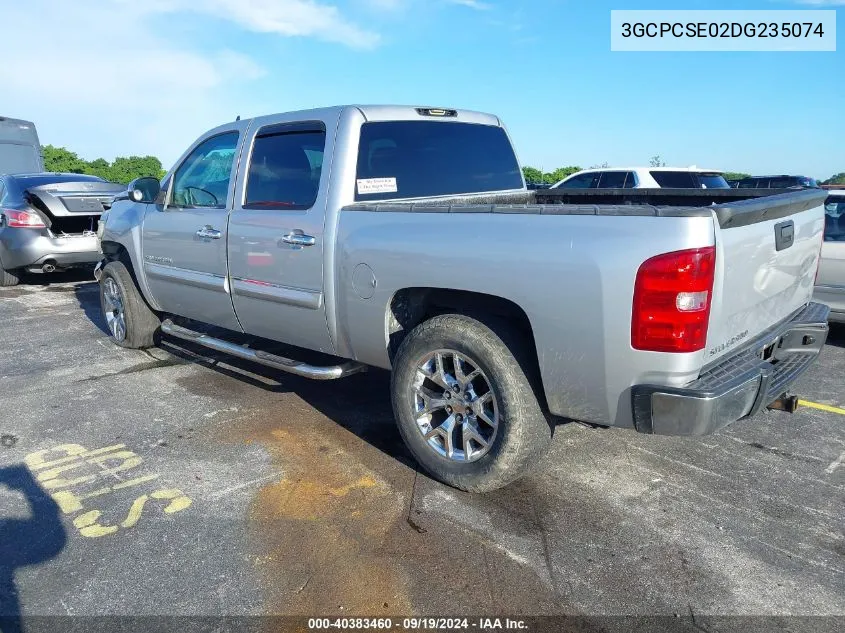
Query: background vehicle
x=776, y=182
x=48, y=222
x=20, y=150
x=404, y=238
x=644, y=178
x=830, y=283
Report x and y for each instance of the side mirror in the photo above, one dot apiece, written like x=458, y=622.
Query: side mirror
x=143, y=189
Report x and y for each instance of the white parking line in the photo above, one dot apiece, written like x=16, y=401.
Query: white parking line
x=836, y=463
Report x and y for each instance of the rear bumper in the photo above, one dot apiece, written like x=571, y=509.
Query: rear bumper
x=28, y=248
x=833, y=296
x=736, y=387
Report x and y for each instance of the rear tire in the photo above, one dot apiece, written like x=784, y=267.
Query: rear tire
x=497, y=427
x=9, y=278
x=131, y=322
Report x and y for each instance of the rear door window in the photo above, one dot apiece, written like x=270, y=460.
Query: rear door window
x=630, y=180
x=413, y=159
x=674, y=179
x=612, y=180
x=582, y=181
x=784, y=182
x=285, y=166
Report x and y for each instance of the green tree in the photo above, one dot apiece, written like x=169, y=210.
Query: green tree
x=122, y=169
x=125, y=169
x=657, y=161
x=62, y=160
x=735, y=175
x=559, y=174
x=99, y=167
x=532, y=174
x=836, y=179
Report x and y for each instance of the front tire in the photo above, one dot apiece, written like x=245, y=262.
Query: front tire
x=464, y=403
x=130, y=321
x=9, y=278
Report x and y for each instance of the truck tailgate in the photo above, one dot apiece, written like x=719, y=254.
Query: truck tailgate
x=767, y=250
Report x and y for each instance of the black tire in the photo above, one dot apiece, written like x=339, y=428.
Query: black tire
x=141, y=324
x=9, y=278
x=523, y=434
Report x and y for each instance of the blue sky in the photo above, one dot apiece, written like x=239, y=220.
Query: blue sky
x=109, y=78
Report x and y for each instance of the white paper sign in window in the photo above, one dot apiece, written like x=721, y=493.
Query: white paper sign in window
x=377, y=185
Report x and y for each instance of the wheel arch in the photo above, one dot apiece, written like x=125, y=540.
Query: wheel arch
x=409, y=307
x=115, y=251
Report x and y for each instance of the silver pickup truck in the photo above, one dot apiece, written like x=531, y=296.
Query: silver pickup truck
x=404, y=238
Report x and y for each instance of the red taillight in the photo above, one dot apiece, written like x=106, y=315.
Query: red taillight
x=23, y=219
x=672, y=297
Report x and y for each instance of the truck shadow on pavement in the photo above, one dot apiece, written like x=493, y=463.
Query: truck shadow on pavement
x=88, y=296
x=836, y=336
x=27, y=541
x=359, y=404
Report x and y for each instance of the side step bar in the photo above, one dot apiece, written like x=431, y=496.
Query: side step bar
x=332, y=372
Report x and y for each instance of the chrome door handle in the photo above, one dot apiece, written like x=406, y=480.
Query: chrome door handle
x=209, y=232
x=299, y=239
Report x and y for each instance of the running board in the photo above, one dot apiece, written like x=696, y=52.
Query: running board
x=332, y=372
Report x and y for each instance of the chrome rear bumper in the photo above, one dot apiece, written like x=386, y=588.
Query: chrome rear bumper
x=738, y=386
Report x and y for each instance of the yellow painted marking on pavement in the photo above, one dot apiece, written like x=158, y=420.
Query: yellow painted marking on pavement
x=35, y=460
x=106, y=461
x=70, y=502
x=88, y=526
x=821, y=407
x=178, y=501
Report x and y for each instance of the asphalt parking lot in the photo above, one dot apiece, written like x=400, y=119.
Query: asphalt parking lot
x=167, y=482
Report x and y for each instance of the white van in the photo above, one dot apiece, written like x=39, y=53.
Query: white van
x=20, y=150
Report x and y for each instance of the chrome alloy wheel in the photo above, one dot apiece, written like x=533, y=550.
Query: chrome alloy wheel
x=454, y=406
x=113, y=308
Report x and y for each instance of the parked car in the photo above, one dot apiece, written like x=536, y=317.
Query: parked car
x=537, y=185
x=402, y=238
x=20, y=150
x=776, y=182
x=644, y=178
x=830, y=283
x=48, y=222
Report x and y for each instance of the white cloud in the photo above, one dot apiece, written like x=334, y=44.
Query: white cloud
x=472, y=4
x=106, y=80
x=282, y=17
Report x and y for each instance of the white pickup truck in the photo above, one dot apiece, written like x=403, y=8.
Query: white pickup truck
x=404, y=238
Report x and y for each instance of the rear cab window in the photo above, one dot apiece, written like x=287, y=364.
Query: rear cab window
x=415, y=159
